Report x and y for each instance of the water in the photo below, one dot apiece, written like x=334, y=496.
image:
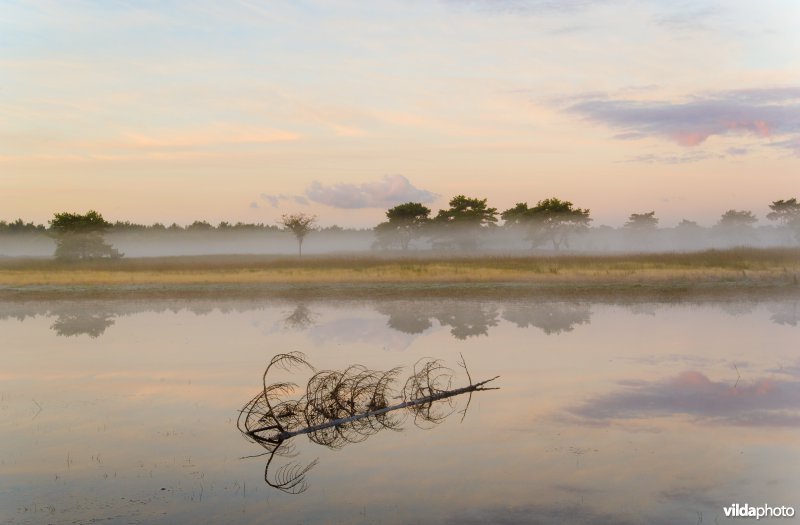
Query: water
x=125, y=412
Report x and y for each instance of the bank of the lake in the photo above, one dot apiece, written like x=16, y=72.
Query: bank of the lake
x=738, y=271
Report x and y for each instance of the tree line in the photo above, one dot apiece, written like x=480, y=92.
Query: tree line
x=22, y=227
x=463, y=225
x=551, y=221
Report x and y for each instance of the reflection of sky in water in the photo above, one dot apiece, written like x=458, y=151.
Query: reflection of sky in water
x=607, y=413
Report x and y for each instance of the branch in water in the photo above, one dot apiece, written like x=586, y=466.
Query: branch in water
x=341, y=407
x=408, y=404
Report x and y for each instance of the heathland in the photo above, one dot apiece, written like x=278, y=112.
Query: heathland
x=742, y=270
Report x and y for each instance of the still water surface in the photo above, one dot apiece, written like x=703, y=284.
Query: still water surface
x=125, y=412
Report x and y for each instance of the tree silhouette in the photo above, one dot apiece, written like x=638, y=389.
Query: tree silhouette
x=463, y=221
x=81, y=236
x=642, y=221
x=20, y=226
x=300, y=224
x=405, y=223
x=737, y=225
x=787, y=212
x=737, y=219
x=687, y=225
x=551, y=220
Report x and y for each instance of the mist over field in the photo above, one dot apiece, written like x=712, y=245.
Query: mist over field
x=496, y=240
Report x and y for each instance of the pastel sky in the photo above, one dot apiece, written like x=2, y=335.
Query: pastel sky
x=173, y=111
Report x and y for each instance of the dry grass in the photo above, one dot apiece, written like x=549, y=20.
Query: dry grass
x=772, y=265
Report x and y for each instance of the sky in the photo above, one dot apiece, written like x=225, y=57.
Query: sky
x=168, y=111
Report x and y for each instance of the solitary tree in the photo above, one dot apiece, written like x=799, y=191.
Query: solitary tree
x=550, y=220
x=404, y=224
x=300, y=224
x=465, y=219
x=81, y=236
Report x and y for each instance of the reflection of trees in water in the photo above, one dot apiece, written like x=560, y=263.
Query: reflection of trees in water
x=80, y=322
x=341, y=407
x=409, y=318
x=551, y=318
x=737, y=308
x=469, y=319
x=300, y=318
x=648, y=309
x=786, y=313
x=466, y=319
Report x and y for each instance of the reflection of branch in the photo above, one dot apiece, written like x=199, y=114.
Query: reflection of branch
x=341, y=407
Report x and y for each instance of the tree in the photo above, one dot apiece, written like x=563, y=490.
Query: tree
x=200, y=226
x=787, y=212
x=550, y=220
x=687, y=225
x=464, y=220
x=688, y=235
x=20, y=226
x=300, y=224
x=737, y=219
x=736, y=225
x=642, y=221
x=516, y=216
x=405, y=223
x=81, y=236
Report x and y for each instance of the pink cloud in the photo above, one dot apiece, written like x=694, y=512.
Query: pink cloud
x=692, y=138
x=763, y=113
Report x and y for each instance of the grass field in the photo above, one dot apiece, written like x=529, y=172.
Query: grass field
x=718, y=268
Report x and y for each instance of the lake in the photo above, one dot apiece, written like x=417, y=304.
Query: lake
x=607, y=412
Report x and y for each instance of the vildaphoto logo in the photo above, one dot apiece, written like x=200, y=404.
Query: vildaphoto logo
x=764, y=511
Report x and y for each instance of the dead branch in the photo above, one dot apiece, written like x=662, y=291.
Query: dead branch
x=341, y=407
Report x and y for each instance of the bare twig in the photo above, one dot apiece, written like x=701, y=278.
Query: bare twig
x=341, y=407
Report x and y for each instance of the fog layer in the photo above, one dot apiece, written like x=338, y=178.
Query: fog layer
x=492, y=240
